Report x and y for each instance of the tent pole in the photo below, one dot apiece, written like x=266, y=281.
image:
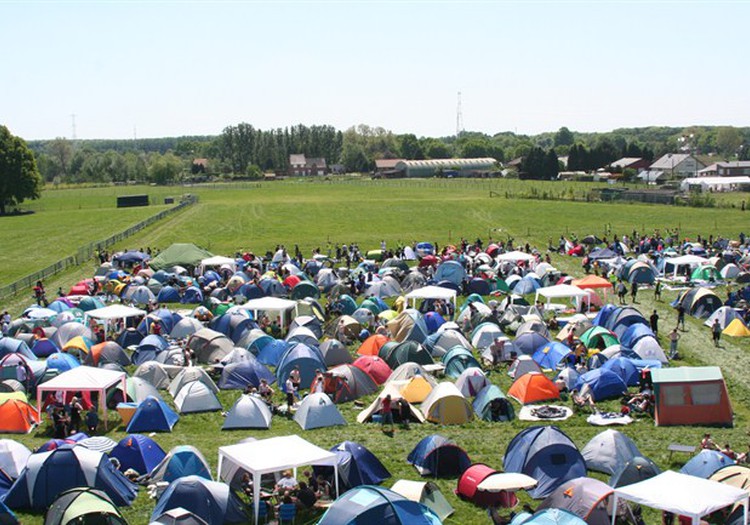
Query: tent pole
x=614, y=509
x=745, y=505
x=256, y=495
x=39, y=404
x=336, y=476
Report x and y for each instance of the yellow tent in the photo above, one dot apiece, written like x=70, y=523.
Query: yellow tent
x=416, y=389
x=6, y=396
x=737, y=329
x=77, y=343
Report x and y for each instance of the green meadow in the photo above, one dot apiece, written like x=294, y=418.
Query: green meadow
x=312, y=214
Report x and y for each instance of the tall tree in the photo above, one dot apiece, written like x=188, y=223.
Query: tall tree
x=728, y=140
x=564, y=137
x=19, y=176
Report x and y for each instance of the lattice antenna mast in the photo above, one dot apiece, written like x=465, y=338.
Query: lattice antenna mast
x=459, y=117
x=73, y=125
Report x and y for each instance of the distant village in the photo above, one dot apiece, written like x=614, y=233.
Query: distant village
x=672, y=171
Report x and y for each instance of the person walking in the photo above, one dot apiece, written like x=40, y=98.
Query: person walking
x=716, y=332
x=657, y=290
x=634, y=291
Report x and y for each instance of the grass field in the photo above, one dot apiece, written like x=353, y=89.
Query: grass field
x=247, y=216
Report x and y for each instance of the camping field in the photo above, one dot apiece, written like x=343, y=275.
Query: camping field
x=258, y=216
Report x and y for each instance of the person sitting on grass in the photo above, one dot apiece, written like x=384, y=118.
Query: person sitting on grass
x=707, y=443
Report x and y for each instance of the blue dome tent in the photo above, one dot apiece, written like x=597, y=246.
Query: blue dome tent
x=48, y=474
x=439, y=456
x=368, y=504
x=211, y=501
x=546, y=454
x=139, y=452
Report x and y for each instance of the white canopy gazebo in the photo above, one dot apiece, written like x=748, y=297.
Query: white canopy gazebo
x=562, y=291
x=83, y=379
x=432, y=292
x=115, y=312
x=682, y=494
x=270, y=304
x=272, y=455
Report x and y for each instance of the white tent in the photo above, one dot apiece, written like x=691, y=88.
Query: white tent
x=673, y=264
x=432, y=292
x=515, y=256
x=83, y=379
x=682, y=494
x=216, y=261
x=562, y=291
x=270, y=304
x=272, y=455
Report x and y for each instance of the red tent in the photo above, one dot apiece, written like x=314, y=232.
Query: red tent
x=376, y=367
x=468, y=489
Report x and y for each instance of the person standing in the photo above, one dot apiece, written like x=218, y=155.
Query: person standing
x=681, y=316
x=386, y=413
x=716, y=332
x=657, y=290
x=289, y=387
x=634, y=292
x=654, y=322
x=673, y=337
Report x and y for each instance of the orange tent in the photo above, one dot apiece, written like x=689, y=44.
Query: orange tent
x=591, y=281
x=17, y=417
x=372, y=345
x=532, y=387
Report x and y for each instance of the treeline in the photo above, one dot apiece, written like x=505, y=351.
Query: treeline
x=242, y=150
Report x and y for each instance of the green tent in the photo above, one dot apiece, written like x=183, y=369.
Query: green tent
x=598, y=337
x=179, y=254
x=304, y=289
x=375, y=255
x=82, y=506
x=705, y=273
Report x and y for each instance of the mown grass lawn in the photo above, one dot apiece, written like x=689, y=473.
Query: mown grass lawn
x=312, y=214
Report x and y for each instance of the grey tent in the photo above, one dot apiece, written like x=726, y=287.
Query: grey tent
x=196, y=397
x=637, y=469
x=335, y=353
x=523, y=365
x=153, y=372
x=316, y=411
x=209, y=345
x=188, y=375
x=248, y=412
x=178, y=516
x=426, y=493
x=182, y=460
x=185, y=327
x=608, y=451
x=587, y=498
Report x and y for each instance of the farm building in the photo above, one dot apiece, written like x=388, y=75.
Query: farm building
x=446, y=167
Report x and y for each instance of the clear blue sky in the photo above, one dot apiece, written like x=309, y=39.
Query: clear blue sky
x=189, y=68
